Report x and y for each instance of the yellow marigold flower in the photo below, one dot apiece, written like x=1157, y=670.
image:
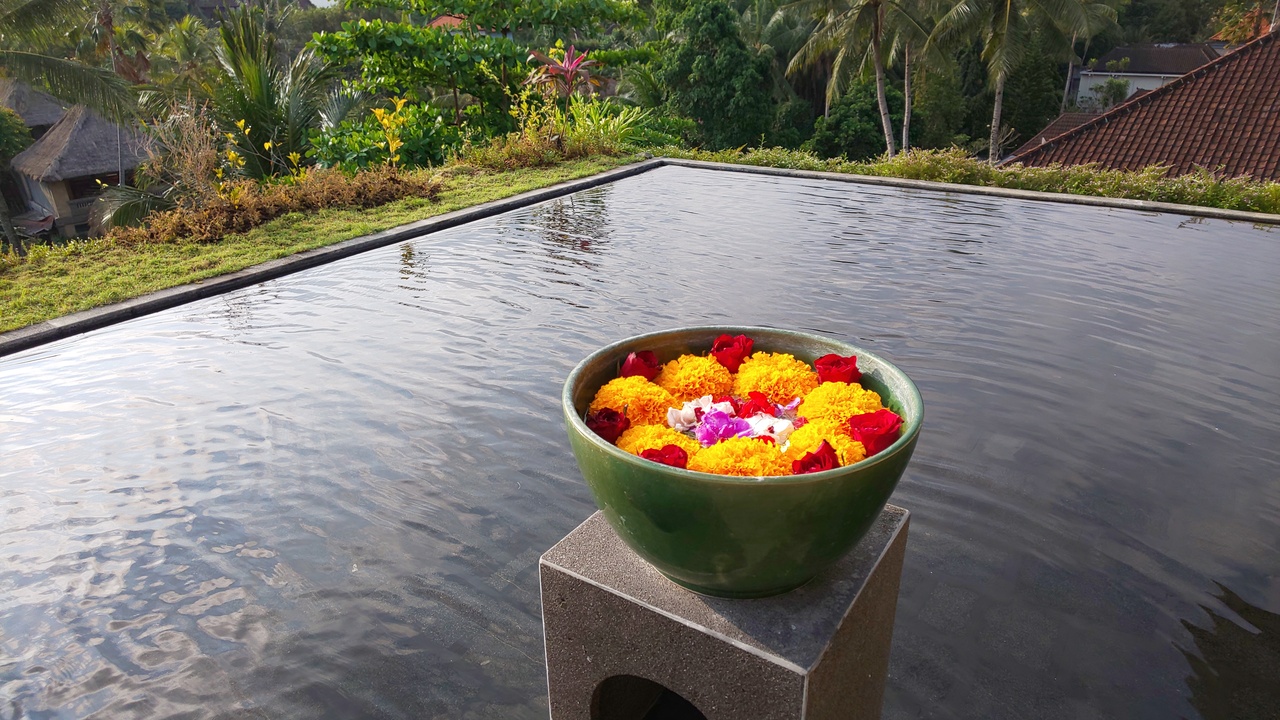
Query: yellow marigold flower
x=808, y=438
x=689, y=377
x=643, y=402
x=779, y=376
x=639, y=438
x=838, y=402
x=741, y=456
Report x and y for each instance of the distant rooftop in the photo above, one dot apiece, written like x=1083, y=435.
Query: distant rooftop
x=1224, y=116
x=36, y=109
x=1162, y=59
x=81, y=144
x=1061, y=124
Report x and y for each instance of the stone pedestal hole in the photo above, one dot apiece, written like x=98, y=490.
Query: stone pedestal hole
x=628, y=697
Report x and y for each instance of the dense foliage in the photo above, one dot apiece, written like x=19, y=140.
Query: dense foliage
x=713, y=78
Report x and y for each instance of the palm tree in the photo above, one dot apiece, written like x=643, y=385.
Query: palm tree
x=1099, y=17
x=30, y=24
x=267, y=107
x=182, y=54
x=910, y=23
x=854, y=31
x=1005, y=29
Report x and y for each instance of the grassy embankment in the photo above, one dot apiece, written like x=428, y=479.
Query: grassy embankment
x=59, y=280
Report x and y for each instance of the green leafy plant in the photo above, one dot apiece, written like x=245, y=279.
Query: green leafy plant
x=410, y=135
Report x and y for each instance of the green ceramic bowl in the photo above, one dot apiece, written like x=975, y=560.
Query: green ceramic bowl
x=733, y=536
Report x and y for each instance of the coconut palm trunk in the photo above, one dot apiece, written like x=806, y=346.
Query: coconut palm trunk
x=1071, y=65
x=878, y=61
x=906, y=98
x=994, y=152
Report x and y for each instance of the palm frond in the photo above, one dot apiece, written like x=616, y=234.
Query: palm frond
x=74, y=82
x=125, y=206
x=24, y=18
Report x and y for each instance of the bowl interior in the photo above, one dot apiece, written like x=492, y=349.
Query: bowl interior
x=896, y=390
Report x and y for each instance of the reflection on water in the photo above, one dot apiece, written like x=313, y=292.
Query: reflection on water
x=325, y=496
x=1236, y=668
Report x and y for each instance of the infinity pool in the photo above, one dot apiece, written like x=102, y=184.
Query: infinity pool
x=325, y=496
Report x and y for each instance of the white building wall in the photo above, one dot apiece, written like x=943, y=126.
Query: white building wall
x=1089, y=80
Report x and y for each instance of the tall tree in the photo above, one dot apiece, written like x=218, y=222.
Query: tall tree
x=1004, y=29
x=849, y=32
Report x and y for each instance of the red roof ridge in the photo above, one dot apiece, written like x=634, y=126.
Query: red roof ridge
x=1145, y=98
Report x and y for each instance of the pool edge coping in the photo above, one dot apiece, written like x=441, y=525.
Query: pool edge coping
x=83, y=321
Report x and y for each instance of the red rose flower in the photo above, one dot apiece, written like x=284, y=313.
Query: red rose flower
x=759, y=403
x=608, y=423
x=824, y=458
x=672, y=455
x=876, y=431
x=643, y=363
x=833, y=368
x=731, y=351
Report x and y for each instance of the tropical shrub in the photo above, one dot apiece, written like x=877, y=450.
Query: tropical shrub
x=659, y=130
x=423, y=139
x=852, y=128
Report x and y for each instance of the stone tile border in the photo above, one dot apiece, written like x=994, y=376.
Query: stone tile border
x=94, y=318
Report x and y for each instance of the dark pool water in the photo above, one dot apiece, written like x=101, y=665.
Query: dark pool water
x=325, y=496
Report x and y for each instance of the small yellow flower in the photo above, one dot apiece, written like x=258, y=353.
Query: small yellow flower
x=268, y=145
x=241, y=124
x=295, y=158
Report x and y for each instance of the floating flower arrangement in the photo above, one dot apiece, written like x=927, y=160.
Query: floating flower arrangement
x=735, y=412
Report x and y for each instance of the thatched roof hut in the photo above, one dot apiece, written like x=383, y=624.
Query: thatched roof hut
x=34, y=107
x=81, y=144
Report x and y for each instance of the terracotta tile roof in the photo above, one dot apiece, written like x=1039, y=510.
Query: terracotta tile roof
x=448, y=21
x=1162, y=59
x=1064, y=122
x=1225, y=116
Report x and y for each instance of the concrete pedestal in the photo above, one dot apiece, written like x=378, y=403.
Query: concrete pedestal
x=619, y=634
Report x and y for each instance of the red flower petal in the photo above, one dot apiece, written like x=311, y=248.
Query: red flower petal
x=672, y=455
x=608, y=423
x=876, y=431
x=643, y=363
x=730, y=351
x=833, y=368
x=823, y=458
x=737, y=406
x=759, y=403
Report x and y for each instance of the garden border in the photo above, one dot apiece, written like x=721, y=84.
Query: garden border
x=86, y=320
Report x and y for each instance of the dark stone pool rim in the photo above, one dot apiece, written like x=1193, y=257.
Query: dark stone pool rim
x=87, y=320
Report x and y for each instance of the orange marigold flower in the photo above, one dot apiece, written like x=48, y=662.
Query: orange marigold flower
x=643, y=402
x=781, y=377
x=655, y=437
x=807, y=439
x=747, y=457
x=689, y=377
x=838, y=402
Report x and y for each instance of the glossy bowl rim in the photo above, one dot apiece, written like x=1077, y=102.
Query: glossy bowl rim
x=912, y=428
